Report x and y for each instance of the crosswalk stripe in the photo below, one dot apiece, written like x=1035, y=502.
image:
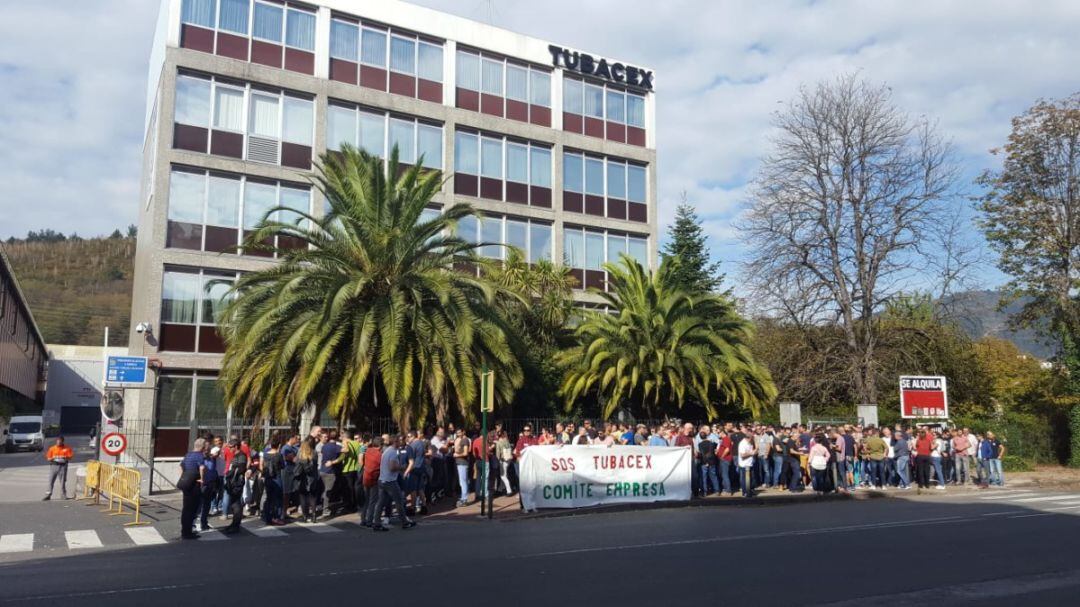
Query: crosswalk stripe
x=1065, y=508
x=319, y=527
x=212, y=535
x=268, y=532
x=1044, y=498
x=145, y=536
x=1069, y=501
x=1006, y=497
x=16, y=542
x=85, y=538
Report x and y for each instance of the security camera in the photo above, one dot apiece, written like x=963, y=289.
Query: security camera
x=143, y=327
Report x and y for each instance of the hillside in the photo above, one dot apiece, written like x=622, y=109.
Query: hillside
x=977, y=312
x=75, y=286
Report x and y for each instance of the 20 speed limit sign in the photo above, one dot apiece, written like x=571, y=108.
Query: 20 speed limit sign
x=113, y=443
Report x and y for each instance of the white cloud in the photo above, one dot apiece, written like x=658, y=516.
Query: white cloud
x=71, y=94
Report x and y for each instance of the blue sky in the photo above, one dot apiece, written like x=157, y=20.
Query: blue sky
x=71, y=94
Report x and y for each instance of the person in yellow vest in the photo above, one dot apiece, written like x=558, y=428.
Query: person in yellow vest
x=58, y=455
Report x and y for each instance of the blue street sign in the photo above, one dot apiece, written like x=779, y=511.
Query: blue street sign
x=125, y=370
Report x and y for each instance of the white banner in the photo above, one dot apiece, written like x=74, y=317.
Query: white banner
x=572, y=476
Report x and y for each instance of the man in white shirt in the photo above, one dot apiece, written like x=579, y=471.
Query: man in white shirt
x=746, y=464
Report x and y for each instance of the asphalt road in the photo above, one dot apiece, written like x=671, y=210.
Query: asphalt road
x=24, y=474
x=895, y=551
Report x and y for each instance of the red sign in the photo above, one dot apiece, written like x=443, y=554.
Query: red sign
x=923, y=397
x=113, y=443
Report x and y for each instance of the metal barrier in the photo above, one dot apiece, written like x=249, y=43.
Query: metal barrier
x=121, y=485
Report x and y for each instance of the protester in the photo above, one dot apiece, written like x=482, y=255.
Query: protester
x=190, y=484
x=233, y=485
x=210, y=486
x=923, y=447
x=819, y=463
x=58, y=456
x=370, y=481
x=389, y=490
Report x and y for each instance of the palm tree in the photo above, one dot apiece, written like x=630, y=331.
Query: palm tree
x=372, y=305
x=660, y=346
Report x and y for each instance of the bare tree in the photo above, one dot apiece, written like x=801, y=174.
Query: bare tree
x=844, y=209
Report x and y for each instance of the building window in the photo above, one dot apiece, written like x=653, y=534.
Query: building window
x=492, y=77
x=193, y=101
x=198, y=12
x=184, y=399
x=206, y=209
x=373, y=47
x=498, y=232
x=300, y=30
x=603, y=111
x=403, y=55
x=496, y=168
x=344, y=40
x=430, y=61
x=517, y=83
x=233, y=16
x=279, y=127
x=468, y=71
x=610, y=187
x=268, y=22
x=366, y=129
x=586, y=250
x=540, y=88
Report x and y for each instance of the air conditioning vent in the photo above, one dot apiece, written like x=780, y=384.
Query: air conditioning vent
x=261, y=149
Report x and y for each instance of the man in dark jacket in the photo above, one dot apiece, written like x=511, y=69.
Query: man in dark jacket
x=234, y=485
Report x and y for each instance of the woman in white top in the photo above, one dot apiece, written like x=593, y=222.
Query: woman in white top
x=935, y=459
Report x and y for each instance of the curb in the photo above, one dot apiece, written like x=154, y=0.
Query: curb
x=779, y=500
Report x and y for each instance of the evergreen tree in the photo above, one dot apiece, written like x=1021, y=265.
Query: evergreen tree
x=692, y=271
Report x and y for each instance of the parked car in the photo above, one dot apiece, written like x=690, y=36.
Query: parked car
x=25, y=432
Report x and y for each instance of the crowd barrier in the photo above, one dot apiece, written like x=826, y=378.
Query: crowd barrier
x=119, y=484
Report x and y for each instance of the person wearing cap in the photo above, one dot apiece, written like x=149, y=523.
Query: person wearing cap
x=58, y=455
x=210, y=485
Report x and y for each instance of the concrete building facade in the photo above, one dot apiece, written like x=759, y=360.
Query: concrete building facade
x=555, y=146
x=23, y=357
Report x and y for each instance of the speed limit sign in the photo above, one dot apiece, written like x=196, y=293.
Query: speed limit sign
x=113, y=443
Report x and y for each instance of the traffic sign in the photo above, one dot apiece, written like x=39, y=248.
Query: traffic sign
x=923, y=397
x=113, y=443
x=126, y=370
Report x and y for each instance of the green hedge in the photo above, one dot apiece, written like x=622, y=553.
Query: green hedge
x=1074, y=426
x=1015, y=463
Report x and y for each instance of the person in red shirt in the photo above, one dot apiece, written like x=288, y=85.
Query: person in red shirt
x=370, y=481
x=923, y=446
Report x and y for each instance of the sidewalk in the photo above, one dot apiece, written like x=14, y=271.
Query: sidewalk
x=508, y=509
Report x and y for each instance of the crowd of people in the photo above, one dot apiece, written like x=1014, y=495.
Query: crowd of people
x=397, y=477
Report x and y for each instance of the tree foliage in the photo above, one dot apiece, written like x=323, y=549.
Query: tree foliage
x=843, y=210
x=1031, y=214
x=687, y=247
x=660, y=347
x=371, y=304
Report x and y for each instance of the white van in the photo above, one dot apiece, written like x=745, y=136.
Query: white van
x=25, y=432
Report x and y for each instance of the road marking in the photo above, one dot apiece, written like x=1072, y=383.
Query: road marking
x=1064, y=508
x=1033, y=515
x=76, y=595
x=16, y=542
x=1004, y=513
x=1007, y=497
x=268, y=532
x=85, y=538
x=1040, y=499
x=212, y=535
x=319, y=527
x=963, y=593
x=145, y=536
x=1068, y=502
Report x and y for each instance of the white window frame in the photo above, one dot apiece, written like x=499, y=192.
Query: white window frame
x=282, y=8
x=386, y=47
x=415, y=54
x=285, y=28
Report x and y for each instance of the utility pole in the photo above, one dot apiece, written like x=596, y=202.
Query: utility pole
x=487, y=402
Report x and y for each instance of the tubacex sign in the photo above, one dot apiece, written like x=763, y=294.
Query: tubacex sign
x=572, y=476
x=588, y=65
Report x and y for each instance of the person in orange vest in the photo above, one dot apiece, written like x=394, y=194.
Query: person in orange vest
x=58, y=455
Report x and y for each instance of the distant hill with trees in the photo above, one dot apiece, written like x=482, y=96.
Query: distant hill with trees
x=76, y=286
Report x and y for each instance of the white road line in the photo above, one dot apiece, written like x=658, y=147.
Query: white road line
x=16, y=542
x=268, y=532
x=1004, y=513
x=1045, y=498
x=85, y=538
x=1007, y=497
x=145, y=536
x=1064, y=508
x=1069, y=502
x=319, y=527
x=1033, y=515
